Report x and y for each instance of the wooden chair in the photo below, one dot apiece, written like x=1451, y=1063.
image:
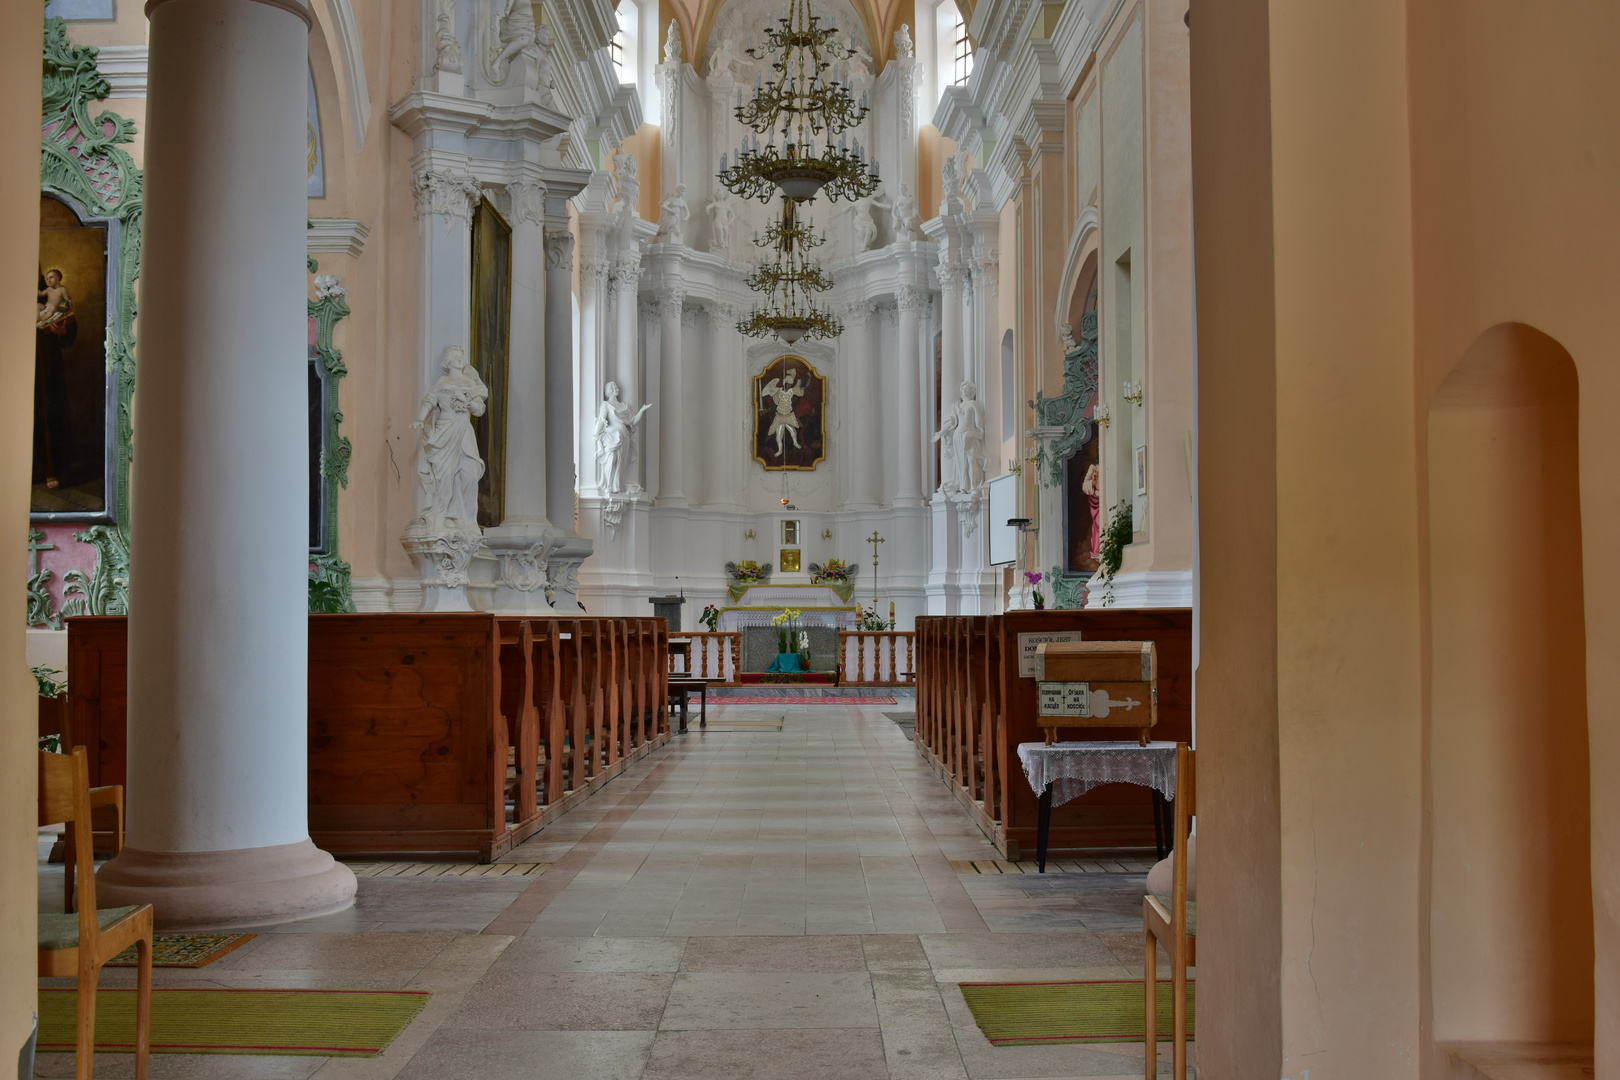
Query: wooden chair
x=78, y=945
x=113, y=796
x=1172, y=920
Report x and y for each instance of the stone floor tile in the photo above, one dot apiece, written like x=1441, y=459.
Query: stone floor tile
x=774, y=954
x=716, y=1000
x=573, y=1001
x=560, y=955
x=461, y=1054
x=767, y=1055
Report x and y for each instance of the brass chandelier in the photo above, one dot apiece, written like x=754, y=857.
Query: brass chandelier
x=803, y=102
x=789, y=284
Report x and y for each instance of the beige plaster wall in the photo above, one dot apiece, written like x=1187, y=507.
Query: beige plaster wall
x=20, y=31
x=1378, y=186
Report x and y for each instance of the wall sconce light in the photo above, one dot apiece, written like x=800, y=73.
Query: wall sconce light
x=1133, y=393
x=826, y=534
x=749, y=535
x=1100, y=413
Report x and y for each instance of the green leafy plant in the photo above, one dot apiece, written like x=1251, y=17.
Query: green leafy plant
x=52, y=683
x=1115, y=535
x=710, y=618
x=325, y=598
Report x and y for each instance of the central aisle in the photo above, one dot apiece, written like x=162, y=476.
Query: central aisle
x=772, y=898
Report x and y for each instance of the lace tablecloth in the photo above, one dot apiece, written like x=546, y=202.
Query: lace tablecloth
x=1074, y=768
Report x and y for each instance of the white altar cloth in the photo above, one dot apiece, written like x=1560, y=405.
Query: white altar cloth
x=790, y=596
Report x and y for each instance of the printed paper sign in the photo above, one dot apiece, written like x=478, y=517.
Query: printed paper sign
x=1029, y=660
x=1065, y=699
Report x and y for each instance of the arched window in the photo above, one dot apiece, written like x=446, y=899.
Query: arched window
x=616, y=51
x=961, y=52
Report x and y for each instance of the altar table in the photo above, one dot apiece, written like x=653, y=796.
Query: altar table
x=1067, y=770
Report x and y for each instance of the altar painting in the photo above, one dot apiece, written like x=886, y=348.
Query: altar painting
x=71, y=381
x=789, y=415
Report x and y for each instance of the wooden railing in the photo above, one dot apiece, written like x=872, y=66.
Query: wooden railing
x=716, y=656
x=876, y=657
x=974, y=707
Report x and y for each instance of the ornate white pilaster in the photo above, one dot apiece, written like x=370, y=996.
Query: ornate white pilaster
x=911, y=297
x=674, y=462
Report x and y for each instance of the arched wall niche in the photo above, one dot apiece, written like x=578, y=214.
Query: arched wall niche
x=1510, y=918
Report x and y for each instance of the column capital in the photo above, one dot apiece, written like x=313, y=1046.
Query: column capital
x=444, y=193
x=528, y=203
x=559, y=249
x=910, y=296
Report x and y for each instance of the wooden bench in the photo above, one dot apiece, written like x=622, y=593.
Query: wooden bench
x=432, y=732
x=680, y=688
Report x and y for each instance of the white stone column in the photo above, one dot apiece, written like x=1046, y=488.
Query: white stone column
x=217, y=828
x=863, y=407
x=911, y=299
x=672, y=474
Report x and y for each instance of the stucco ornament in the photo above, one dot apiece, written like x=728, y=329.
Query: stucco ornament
x=448, y=465
x=629, y=184
x=1068, y=410
x=672, y=216
x=615, y=436
x=446, y=48
x=902, y=42
x=672, y=44
x=530, y=570
x=723, y=60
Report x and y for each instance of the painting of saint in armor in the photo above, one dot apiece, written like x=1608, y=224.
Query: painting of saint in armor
x=70, y=370
x=789, y=402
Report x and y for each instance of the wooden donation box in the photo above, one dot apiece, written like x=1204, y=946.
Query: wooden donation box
x=1098, y=684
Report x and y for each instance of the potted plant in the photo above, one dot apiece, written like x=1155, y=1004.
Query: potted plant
x=1033, y=577
x=710, y=618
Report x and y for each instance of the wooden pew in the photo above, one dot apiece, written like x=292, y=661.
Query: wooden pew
x=428, y=732
x=973, y=709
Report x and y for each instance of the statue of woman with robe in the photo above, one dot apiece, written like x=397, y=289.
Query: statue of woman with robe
x=448, y=466
x=615, y=438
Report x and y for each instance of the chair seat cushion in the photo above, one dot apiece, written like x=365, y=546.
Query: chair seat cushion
x=62, y=931
x=1192, y=913
x=1160, y=877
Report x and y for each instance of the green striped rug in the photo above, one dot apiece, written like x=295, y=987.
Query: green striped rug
x=328, y=1023
x=1016, y=1014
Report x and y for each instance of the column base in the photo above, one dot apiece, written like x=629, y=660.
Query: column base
x=222, y=890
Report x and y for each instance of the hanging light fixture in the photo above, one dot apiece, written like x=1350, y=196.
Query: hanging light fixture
x=803, y=102
x=789, y=284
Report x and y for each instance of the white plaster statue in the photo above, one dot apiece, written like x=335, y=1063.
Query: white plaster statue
x=629, y=185
x=961, y=439
x=672, y=216
x=784, y=425
x=722, y=215
x=902, y=42
x=859, y=61
x=615, y=438
x=514, y=32
x=1066, y=336
x=672, y=44
x=950, y=186
x=448, y=466
x=723, y=60
x=446, y=49
x=906, y=216
x=866, y=229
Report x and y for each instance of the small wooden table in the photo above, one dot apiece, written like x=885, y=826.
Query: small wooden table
x=683, y=649
x=1074, y=768
x=680, y=688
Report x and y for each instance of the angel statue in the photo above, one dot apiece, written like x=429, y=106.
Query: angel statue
x=449, y=467
x=906, y=216
x=866, y=229
x=961, y=443
x=615, y=438
x=722, y=214
x=514, y=32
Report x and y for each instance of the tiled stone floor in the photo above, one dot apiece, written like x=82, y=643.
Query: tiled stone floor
x=740, y=904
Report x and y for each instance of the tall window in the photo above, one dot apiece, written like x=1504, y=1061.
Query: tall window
x=961, y=53
x=616, y=51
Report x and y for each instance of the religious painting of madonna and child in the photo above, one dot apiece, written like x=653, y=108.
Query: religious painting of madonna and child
x=71, y=382
x=789, y=403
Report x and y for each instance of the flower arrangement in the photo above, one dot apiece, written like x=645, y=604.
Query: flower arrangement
x=710, y=617
x=1033, y=577
x=869, y=619
x=748, y=572
x=835, y=570
x=1115, y=535
x=789, y=637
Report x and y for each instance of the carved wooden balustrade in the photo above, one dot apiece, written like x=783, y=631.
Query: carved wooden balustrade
x=716, y=656
x=876, y=657
x=974, y=708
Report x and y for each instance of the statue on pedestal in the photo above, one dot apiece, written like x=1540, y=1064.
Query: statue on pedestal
x=445, y=535
x=866, y=229
x=722, y=214
x=906, y=215
x=673, y=213
x=615, y=439
x=961, y=439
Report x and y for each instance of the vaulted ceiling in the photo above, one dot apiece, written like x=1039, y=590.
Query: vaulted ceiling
x=880, y=18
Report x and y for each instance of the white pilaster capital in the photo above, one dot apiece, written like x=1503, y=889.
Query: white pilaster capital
x=559, y=250
x=446, y=194
x=528, y=203
x=910, y=296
